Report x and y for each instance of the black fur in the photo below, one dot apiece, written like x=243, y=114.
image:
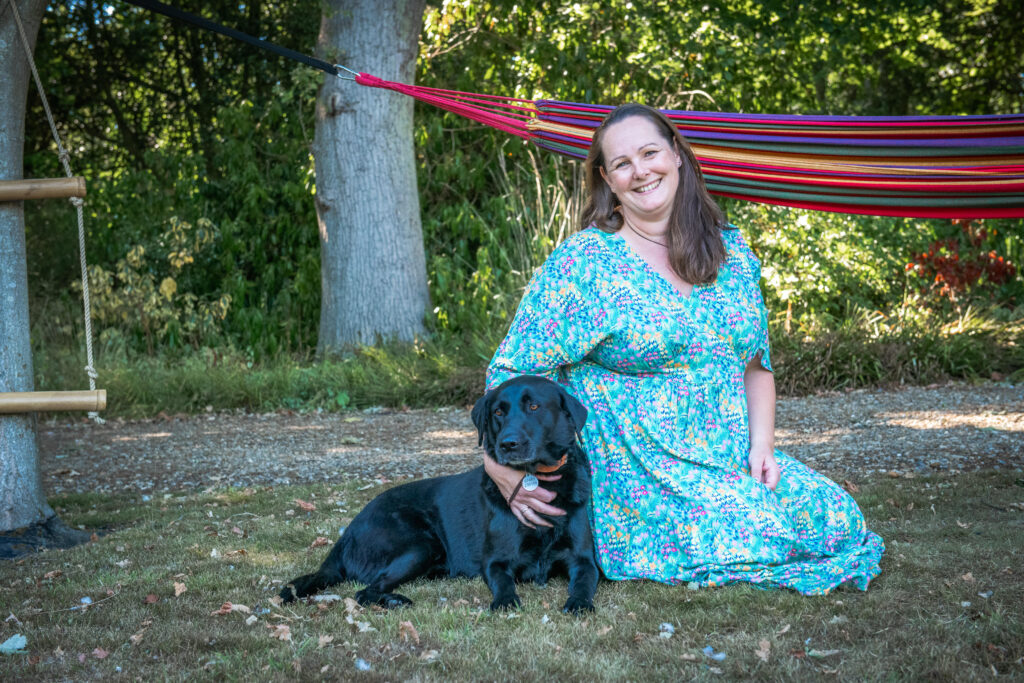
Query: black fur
x=461, y=526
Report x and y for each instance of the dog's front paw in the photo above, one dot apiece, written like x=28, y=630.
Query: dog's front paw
x=505, y=602
x=578, y=606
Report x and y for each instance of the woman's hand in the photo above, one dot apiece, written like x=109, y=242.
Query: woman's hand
x=763, y=467
x=527, y=506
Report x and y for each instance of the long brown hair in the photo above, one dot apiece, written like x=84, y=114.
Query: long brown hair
x=695, y=249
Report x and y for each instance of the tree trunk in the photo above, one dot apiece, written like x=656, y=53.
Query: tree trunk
x=373, y=269
x=21, y=493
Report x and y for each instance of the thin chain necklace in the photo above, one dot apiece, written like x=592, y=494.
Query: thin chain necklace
x=640, y=234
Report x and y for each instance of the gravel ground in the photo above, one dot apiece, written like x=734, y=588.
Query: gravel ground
x=910, y=431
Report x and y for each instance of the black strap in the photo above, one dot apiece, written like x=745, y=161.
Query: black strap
x=175, y=13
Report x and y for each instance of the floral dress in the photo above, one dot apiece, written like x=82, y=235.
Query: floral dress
x=666, y=436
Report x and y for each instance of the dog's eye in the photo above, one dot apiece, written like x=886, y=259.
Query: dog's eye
x=497, y=412
x=534, y=406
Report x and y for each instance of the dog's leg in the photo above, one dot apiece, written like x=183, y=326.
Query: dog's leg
x=411, y=564
x=498, y=576
x=582, y=586
x=300, y=587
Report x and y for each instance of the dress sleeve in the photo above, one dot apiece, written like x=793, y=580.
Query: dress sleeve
x=557, y=323
x=751, y=267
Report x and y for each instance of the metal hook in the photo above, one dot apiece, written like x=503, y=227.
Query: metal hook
x=345, y=68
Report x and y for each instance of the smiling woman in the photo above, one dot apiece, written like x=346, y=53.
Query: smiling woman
x=652, y=316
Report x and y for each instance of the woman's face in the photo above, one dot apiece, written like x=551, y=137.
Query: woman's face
x=641, y=167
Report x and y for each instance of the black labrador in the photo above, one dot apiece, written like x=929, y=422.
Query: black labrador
x=460, y=525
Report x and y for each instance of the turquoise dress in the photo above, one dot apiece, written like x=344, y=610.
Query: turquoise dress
x=667, y=437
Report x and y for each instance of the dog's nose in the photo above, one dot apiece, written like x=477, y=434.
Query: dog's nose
x=508, y=445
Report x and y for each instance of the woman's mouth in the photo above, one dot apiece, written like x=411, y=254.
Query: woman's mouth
x=644, y=189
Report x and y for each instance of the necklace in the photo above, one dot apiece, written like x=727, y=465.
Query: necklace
x=640, y=234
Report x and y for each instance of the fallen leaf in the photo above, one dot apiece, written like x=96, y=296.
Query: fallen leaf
x=352, y=607
x=236, y=530
x=968, y=577
x=215, y=553
x=604, y=630
x=53, y=575
x=822, y=653
x=251, y=620
x=784, y=629
x=308, y=507
x=124, y=564
x=850, y=486
x=408, y=632
x=319, y=542
x=100, y=653
x=764, y=648
x=236, y=553
x=179, y=588
x=280, y=631
x=962, y=525
x=228, y=608
x=136, y=638
x=429, y=655
x=151, y=599
x=324, y=641
x=689, y=657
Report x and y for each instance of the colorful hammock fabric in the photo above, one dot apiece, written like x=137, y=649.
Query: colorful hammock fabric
x=918, y=166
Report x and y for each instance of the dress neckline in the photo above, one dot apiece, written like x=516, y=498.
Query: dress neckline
x=632, y=254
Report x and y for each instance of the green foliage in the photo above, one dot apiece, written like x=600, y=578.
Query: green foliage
x=142, y=295
x=219, y=134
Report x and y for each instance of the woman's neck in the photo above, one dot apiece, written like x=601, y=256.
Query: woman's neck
x=651, y=231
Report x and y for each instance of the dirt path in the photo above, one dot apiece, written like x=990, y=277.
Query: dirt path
x=846, y=435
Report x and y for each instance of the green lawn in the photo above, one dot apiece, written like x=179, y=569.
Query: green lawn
x=949, y=603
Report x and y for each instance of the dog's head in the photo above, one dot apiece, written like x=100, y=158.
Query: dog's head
x=528, y=421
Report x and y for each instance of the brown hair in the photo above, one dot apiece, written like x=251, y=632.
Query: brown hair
x=695, y=249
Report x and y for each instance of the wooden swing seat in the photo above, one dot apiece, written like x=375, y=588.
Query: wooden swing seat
x=49, y=401
x=41, y=188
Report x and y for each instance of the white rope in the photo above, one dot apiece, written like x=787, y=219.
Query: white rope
x=78, y=203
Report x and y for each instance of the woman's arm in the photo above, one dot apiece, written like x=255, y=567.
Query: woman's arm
x=555, y=325
x=760, y=388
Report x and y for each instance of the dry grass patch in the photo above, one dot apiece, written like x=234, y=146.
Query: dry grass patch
x=158, y=584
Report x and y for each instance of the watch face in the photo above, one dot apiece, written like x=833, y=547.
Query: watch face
x=530, y=482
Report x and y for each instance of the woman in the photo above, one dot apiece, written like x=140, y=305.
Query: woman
x=652, y=316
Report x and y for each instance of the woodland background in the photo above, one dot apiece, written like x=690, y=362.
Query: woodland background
x=202, y=231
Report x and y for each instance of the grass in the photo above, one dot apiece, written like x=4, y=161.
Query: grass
x=833, y=354
x=948, y=539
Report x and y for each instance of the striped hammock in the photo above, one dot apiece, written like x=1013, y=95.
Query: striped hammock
x=918, y=166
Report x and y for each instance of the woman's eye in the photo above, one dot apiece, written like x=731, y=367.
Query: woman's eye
x=621, y=164
x=651, y=152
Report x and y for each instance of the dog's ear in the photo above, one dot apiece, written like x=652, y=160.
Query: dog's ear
x=575, y=410
x=481, y=413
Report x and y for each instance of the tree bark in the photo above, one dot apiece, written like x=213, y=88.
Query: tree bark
x=373, y=268
x=22, y=502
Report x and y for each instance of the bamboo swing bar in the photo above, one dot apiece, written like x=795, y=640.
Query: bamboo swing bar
x=41, y=188
x=48, y=401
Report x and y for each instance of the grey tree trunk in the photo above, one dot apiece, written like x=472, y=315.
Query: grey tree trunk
x=21, y=493
x=373, y=269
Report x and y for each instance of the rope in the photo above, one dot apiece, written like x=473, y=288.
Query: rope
x=77, y=202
